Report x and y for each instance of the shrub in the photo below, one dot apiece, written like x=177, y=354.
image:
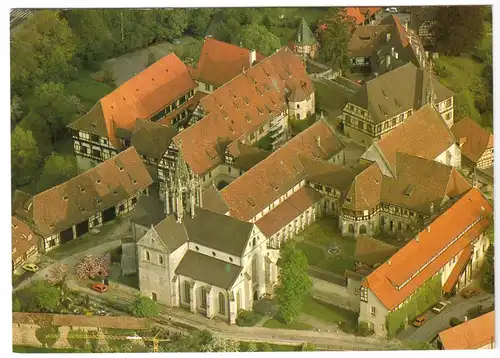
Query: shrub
x=364, y=329
x=144, y=307
x=247, y=318
x=454, y=321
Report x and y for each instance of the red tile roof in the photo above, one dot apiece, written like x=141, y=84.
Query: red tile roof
x=369, y=11
x=473, y=334
x=142, y=96
x=423, y=134
x=364, y=193
x=475, y=139
x=288, y=210
x=241, y=106
x=220, y=62
x=470, y=214
x=283, y=169
x=354, y=14
x=95, y=190
x=22, y=238
x=458, y=269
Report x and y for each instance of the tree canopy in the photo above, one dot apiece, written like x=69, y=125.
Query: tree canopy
x=25, y=156
x=294, y=282
x=144, y=307
x=258, y=37
x=334, y=40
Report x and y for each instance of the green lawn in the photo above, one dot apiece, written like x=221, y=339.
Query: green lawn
x=330, y=313
x=337, y=264
x=87, y=89
x=313, y=253
x=274, y=323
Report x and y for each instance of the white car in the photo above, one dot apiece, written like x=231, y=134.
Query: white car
x=440, y=306
x=394, y=10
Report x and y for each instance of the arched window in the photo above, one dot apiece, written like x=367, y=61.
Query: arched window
x=203, y=297
x=351, y=228
x=222, y=303
x=298, y=106
x=254, y=241
x=147, y=256
x=187, y=292
x=362, y=229
x=160, y=259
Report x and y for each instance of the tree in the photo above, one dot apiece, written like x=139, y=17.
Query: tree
x=257, y=37
x=144, y=307
x=57, y=170
x=218, y=344
x=40, y=297
x=16, y=111
x=488, y=279
x=92, y=266
x=294, y=282
x=335, y=39
x=58, y=274
x=42, y=50
x=199, y=20
x=458, y=29
x=24, y=155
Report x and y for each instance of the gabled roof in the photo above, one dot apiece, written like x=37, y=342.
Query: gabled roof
x=364, y=193
x=265, y=182
x=220, y=62
x=241, y=106
x=208, y=269
x=246, y=156
x=420, y=183
x=366, y=40
x=423, y=134
x=468, y=217
x=95, y=190
x=473, y=334
x=139, y=98
x=474, y=139
x=22, y=238
x=148, y=211
x=212, y=200
x=354, y=15
x=386, y=96
x=152, y=139
x=172, y=233
x=304, y=35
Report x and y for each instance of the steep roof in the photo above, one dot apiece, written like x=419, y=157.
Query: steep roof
x=241, y=106
x=246, y=156
x=304, y=35
x=475, y=139
x=172, y=233
x=208, y=269
x=468, y=217
x=421, y=182
x=95, y=190
x=151, y=138
x=366, y=40
x=22, y=238
x=212, y=200
x=139, y=98
x=473, y=334
x=386, y=96
x=148, y=211
x=274, y=176
x=220, y=62
x=423, y=134
x=370, y=251
x=365, y=191
x=354, y=15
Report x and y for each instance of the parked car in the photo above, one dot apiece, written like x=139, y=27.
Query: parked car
x=30, y=267
x=439, y=307
x=470, y=292
x=419, y=321
x=100, y=287
x=394, y=10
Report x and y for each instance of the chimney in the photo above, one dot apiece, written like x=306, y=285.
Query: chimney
x=318, y=141
x=387, y=37
x=392, y=51
x=432, y=208
x=253, y=57
x=388, y=61
x=462, y=141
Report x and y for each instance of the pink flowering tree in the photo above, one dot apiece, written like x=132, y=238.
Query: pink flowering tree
x=91, y=266
x=58, y=274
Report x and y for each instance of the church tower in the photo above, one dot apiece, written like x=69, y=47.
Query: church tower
x=183, y=190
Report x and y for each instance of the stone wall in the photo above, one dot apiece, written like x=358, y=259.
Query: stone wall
x=334, y=294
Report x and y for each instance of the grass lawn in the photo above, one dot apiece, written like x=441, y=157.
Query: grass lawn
x=314, y=254
x=87, y=89
x=337, y=264
x=330, y=313
x=274, y=323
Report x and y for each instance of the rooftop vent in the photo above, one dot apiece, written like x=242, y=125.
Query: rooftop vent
x=389, y=262
x=65, y=197
x=121, y=169
x=98, y=181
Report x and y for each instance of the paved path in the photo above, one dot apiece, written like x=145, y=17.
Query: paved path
x=439, y=322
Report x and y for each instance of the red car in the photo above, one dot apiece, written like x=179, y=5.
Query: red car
x=419, y=321
x=100, y=287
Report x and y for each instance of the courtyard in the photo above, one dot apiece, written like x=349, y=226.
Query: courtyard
x=325, y=248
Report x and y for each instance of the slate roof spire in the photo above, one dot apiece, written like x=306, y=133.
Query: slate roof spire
x=304, y=35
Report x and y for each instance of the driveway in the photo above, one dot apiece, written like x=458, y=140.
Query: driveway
x=439, y=322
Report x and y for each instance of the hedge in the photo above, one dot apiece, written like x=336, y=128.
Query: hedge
x=425, y=297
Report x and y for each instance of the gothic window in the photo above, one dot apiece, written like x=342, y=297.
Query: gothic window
x=187, y=292
x=254, y=241
x=203, y=298
x=147, y=256
x=222, y=304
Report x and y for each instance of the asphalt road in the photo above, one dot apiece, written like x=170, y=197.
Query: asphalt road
x=439, y=322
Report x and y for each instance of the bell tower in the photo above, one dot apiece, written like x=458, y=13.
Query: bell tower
x=183, y=190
